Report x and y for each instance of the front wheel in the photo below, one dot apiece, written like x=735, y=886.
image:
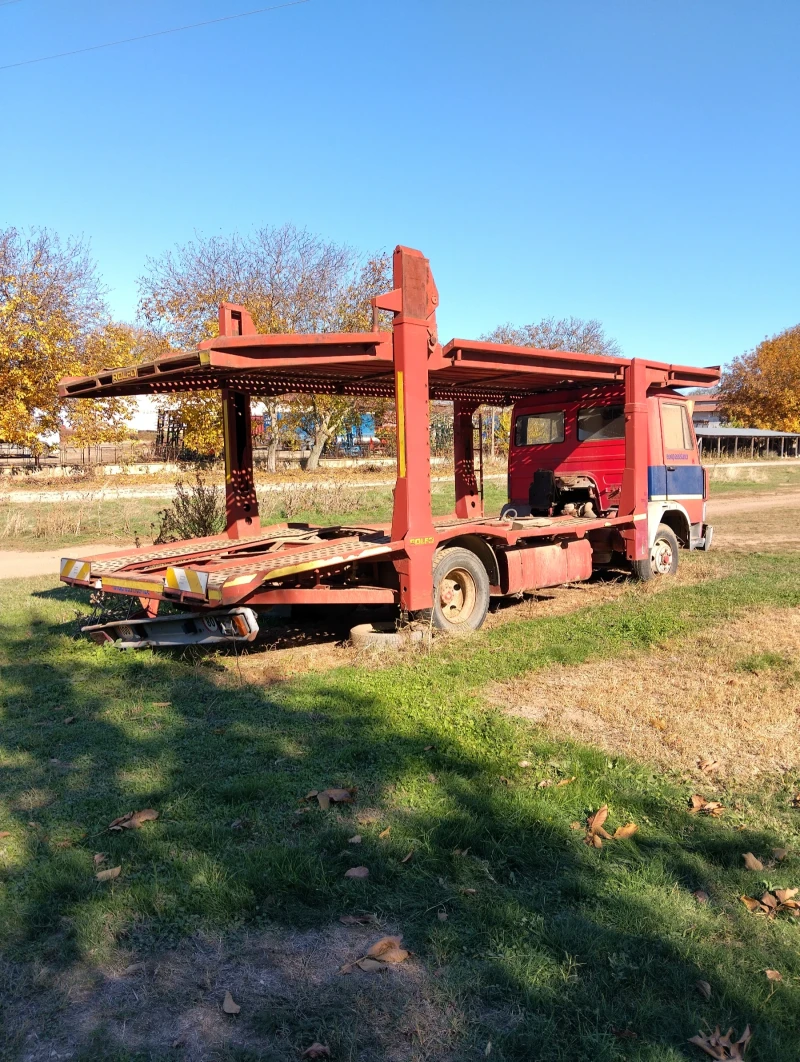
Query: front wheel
x=460, y=591
x=663, y=558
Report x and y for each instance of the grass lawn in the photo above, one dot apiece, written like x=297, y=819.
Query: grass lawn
x=753, y=479
x=526, y=943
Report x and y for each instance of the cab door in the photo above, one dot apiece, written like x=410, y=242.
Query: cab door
x=683, y=473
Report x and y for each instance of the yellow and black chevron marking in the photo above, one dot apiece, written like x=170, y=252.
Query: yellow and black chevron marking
x=187, y=580
x=75, y=569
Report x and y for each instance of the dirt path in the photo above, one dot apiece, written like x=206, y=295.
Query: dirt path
x=22, y=564
x=748, y=503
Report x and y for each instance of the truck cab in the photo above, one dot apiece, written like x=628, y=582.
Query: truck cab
x=567, y=457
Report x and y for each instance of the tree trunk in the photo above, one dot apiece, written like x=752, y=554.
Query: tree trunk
x=272, y=454
x=320, y=439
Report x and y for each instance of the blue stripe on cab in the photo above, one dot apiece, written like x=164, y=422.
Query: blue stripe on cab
x=657, y=480
x=685, y=479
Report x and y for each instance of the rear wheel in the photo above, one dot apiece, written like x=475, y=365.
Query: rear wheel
x=460, y=591
x=663, y=557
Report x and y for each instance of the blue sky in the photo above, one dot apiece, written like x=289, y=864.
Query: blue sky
x=630, y=160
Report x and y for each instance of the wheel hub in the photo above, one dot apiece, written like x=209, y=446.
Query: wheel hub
x=457, y=595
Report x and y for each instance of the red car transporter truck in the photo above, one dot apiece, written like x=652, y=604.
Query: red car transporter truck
x=603, y=463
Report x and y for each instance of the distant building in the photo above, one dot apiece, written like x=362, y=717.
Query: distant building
x=716, y=438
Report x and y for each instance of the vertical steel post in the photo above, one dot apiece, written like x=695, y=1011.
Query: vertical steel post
x=241, y=504
x=468, y=499
x=634, y=494
x=413, y=301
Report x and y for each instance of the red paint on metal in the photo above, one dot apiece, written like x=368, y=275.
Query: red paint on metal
x=469, y=504
x=634, y=496
x=414, y=337
x=537, y=566
x=241, y=504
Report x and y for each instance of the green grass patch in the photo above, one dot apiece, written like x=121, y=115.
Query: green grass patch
x=753, y=480
x=559, y=949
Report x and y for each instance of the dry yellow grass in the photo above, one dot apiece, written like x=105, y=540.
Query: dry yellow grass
x=706, y=696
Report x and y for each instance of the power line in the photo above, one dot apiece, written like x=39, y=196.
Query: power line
x=147, y=36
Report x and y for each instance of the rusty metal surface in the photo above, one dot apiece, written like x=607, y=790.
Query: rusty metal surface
x=195, y=548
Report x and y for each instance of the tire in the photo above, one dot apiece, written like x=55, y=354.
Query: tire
x=382, y=636
x=663, y=558
x=460, y=591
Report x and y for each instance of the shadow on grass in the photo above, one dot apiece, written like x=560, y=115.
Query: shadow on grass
x=560, y=952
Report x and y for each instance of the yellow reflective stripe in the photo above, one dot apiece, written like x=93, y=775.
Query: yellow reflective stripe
x=401, y=427
x=241, y=579
x=187, y=580
x=75, y=569
x=113, y=582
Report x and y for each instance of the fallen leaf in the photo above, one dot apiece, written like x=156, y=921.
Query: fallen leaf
x=575, y=826
x=335, y=796
x=108, y=875
x=488, y=1049
x=428, y=748
x=388, y=949
x=594, y=831
x=4, y=833
x=796, y=800
x=357, y=872
x=460, y=851
x=229, y=1006
x=99, y=857
x=355, y=839
x=624, y=1034
x=524, y=763
x=385, y=833
x=69, y=719
x=699, y=804
x=723, y=1047
x=135, y=967
x=357, y=920
x=545, y=783
x=406, y=858
x=701, y=895
x=311, y=794
x=780, y=854
x=368, y=965
x=774, y=975
x=595, y=821
x=432, y=778
x=785, y=896
x=470, y=892
x=704, y=988
x=751, y=862
x=162, y=704
x=442, y=916
x=752, y=904
x=317, y=1051
x=565, y=781
x=133, y=820
x=626, y=831
x=708, y=764
x=659, y=724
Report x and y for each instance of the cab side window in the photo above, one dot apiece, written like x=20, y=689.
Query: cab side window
x=601, y=422
x=538, y=429
x=675, y=422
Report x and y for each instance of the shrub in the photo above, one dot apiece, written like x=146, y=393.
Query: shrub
x=198, y=510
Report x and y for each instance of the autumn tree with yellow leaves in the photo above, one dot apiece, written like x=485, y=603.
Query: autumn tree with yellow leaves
x=289, y=280
x=761, y=389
